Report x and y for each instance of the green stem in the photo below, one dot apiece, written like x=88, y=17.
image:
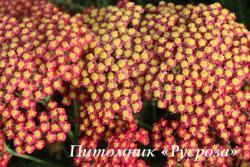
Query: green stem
x=31, y=158
x=72, y=138
x=154, y=110
x=17, y=94
x=45, y=100
x=144, y=125
x=76, y=115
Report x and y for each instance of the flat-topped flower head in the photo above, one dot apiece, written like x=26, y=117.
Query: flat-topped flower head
x=199, y=69
x=38, y=56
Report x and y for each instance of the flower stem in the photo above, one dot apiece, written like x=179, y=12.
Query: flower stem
x=31, y=158
x=154, y=112
x=45, y=100
x=72, y=137
x=144, y=125
x=76, y=115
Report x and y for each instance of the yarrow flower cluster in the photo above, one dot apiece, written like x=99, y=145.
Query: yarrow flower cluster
x=119, y=134
x=193, y=61
x=197, y=68
x=24, y=8
x=38, y=56
x=114, y=60
x=196, y=55
x=4, y=156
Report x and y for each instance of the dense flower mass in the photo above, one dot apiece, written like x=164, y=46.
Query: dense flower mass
x=114, y=60
x=199, y=51
x=37, y=57
x=197, y=65
x=119, y=134
x=25, y=8
x=199, y=69
x=4, y=156
x=193, y=61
